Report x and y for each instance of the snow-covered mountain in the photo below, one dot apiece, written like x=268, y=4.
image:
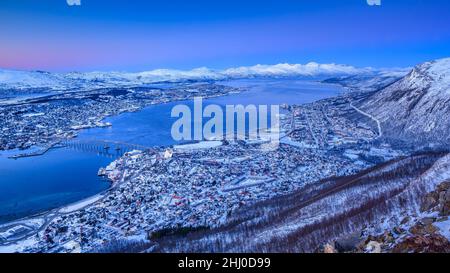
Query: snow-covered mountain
x=280, y=70
x=31, y=79
x=11, y=79
x=370, y=81
x=418, y=105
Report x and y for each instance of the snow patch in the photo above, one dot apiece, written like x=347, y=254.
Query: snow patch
x=198, y=146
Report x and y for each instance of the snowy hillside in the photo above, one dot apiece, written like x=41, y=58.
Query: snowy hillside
x=10, y=79
x=33, y=79
x=370, y=81
x=418, y=105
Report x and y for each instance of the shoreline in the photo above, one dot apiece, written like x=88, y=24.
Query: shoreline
x=46, y=217
x=51, y=214
x=112, y=183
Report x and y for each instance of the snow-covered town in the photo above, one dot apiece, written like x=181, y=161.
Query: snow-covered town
x=200, y=185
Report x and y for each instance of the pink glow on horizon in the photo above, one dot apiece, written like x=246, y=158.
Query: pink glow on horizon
x=112, y=47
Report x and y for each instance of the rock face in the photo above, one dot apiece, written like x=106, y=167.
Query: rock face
x=423, y=229
x=417, y=106
x=438, y=200
x=424, y=236
x=430, y=243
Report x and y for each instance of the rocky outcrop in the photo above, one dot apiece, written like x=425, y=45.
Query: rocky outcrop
x=438, y=200
x=424, y=236
x=415, y=233
x=428, y=243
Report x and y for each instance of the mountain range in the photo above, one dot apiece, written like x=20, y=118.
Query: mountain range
x=14, y=79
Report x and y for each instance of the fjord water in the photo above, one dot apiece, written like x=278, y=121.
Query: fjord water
x=66, y=175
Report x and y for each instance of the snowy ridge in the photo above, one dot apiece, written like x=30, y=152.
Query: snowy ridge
x=416, y=106
x=12, y=79
x=310, y=69
x=30, y=79
x=372, y=80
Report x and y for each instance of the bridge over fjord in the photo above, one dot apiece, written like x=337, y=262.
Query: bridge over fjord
x=103, y=147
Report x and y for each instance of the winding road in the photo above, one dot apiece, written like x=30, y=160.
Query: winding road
x=380, y=132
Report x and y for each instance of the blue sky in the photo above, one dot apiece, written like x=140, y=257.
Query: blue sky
x=141, y=35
